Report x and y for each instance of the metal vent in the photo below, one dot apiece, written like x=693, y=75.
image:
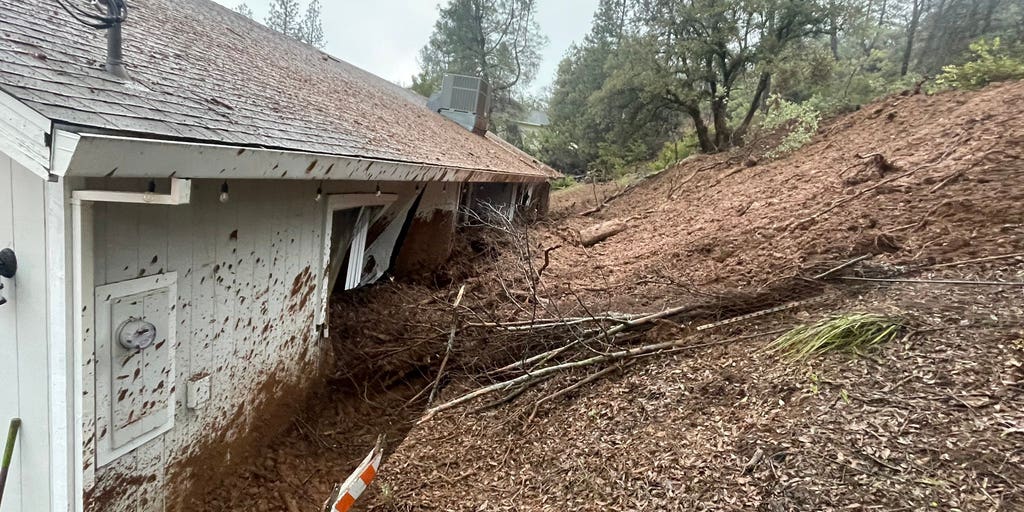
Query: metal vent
x=466, y=100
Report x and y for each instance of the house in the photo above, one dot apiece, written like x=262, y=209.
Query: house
x=531, y=127
x=535, y=121
x=179, y=226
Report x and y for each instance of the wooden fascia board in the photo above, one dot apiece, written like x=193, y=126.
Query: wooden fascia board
x=126, y=157
x=24, y=135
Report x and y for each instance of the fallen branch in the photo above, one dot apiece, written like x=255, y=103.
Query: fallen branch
x=517, y=324
x=595, y=234
x=546, y=356
x=511, y=396
x=854, y=261
x=614, y=356
x=949, y=150
x=547, y=259
x=841, y=202
x=978, y=260
x=580, y=383
x=949, y=179
x=451, y=343
x=934, y=281
x=611, y=198
x=551, y=325
x=878, y=160
x=757, y=314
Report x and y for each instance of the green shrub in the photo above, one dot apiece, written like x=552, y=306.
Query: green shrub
x=615, y=161
x=990, y=62
x=799, y=119
x=674, y=151
x=563, y=182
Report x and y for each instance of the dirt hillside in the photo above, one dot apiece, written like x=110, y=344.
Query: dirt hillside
x=715, y=221
x=933, y=421
x=915, y=186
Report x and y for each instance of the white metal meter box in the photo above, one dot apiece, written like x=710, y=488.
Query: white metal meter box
x=135, y=323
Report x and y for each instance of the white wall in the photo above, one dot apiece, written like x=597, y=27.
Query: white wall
x=31, y=379
x=247, y=272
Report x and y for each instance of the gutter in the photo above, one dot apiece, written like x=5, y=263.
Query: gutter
x=106, y=156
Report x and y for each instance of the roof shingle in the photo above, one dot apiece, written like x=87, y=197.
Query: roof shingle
x=202, y=72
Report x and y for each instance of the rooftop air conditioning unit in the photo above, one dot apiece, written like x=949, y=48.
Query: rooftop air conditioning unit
x=465, y=100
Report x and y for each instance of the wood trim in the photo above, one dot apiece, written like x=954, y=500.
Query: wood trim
x=105, y=451
x=23, y=135
x=60, y=371
x=334, y=203
x=100, y=156
x=181, y=193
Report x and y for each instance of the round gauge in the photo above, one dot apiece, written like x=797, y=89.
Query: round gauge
x=136, y=334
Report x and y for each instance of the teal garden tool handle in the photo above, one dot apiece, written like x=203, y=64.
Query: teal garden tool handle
x=5, y=465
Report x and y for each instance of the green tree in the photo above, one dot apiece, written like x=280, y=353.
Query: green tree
x=581, y=122
x=497, y=40
x=653, y=72
x=990, y=62
x=286, y=17
x=425, y=84
x=244, y=10
x=948, y=27
x=703, y=48
x=312, y=30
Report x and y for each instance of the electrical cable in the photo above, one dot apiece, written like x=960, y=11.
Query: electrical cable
x=117, y=12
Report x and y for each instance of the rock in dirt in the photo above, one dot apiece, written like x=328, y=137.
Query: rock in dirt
x=594, y=234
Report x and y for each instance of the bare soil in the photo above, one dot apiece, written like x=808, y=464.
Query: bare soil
x=932, y=421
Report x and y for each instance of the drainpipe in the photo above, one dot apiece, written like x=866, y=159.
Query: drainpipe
x=82, y=246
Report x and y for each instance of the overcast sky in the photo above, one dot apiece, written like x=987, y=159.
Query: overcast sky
x=384, y=36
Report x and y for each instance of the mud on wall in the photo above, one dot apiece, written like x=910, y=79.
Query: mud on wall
x=247, y=276
x=246, y=270
x=431, y=235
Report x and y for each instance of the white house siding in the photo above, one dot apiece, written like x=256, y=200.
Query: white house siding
x=27, y=373
x=246, y=277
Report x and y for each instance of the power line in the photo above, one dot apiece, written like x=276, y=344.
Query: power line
x=116, y=13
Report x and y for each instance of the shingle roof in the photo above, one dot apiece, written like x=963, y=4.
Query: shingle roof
x=201, y=72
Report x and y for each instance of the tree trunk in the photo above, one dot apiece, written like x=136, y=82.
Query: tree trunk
x=833, y=30
x=878, y=30
x=703, y=138
x=992, y=6
x=762, y=89
x=931, y=42
x=767, y=94
x=720, y=116
x=592, y=235
x=915, y=17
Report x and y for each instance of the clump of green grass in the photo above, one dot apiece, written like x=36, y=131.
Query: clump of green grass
x=855, y=332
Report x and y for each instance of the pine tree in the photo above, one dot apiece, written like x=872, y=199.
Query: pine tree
x=312, y=27
x=244, y=10
x=497, y=40
x=285, y=18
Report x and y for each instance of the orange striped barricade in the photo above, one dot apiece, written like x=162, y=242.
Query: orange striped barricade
x=346, y=494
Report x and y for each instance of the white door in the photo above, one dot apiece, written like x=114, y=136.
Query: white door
x=25, y=344
x=9, y=401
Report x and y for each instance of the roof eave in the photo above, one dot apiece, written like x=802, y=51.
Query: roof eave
x=24, y=135
x=91, y=155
